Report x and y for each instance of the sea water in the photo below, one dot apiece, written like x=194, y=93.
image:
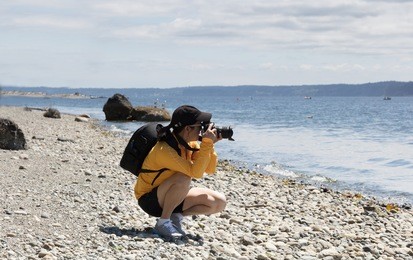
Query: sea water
x=362, y=144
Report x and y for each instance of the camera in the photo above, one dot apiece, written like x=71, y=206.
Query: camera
x=224, y=132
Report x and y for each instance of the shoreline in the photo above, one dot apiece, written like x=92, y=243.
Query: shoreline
x=300, y=178
x=78, y=203
x=18, y=93
x=387, y=192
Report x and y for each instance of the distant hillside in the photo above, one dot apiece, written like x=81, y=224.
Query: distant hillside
x=388, y=88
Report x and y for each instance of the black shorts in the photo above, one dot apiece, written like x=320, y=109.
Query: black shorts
x=149, y=203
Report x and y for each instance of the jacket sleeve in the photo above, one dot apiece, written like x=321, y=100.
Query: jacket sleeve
x=213, y=161
x=168, y=158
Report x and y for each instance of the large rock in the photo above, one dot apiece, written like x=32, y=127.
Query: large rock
x=117, y=107
x=150, y=114
x=11, y=136
x=52, y=113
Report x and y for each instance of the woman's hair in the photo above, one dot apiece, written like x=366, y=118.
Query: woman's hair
x=177, y=130
x=165, y=131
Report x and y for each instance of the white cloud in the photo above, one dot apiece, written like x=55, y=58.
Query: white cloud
x=139, y=32
x=177, y=28
x=334, y=25
x=272, y=66
x=203, y=66
x=306, y=67
x=129, y=8
x=343, y=67
x=50, y=22
x=320, y=36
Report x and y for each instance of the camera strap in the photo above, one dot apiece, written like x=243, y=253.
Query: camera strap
x=185, y=144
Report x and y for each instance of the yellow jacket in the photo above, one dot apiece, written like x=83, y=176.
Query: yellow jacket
x=193, y=164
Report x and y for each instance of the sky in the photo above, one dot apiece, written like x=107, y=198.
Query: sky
x=160, y=43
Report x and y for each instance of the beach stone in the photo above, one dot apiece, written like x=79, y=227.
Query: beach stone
x=64, y=139
x=117, y=107
x=47, y=246
x=11, y=136
x=262, y=257
x=271, y=246
x=367, y=249
x=236, y=221
x=273, y=231
x=247, y=241
x=280, y=244
x=45, y=215
x=285, y=229
x=129, y=257
x=150, y=114
x=52, y=113
x=20, y=212
x=403, y=251
x=308, y=257
x=325, y=244
x=45, y=254
x=81, y=119
x=303, y=242
x=24, y=156
x=316, y=228
x=231, y=251
x=330, y=252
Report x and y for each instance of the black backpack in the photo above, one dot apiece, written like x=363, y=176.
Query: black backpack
x=139, y=146
x=142, y=142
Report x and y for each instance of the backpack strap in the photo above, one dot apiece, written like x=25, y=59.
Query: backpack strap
x=157, y=175
x=185, y=144
x=172, y=142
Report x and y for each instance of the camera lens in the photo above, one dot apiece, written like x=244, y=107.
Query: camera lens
x=225, y=132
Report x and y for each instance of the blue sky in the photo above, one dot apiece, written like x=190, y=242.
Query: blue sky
x=151, y=43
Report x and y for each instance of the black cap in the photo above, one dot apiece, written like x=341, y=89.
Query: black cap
x=188, y=115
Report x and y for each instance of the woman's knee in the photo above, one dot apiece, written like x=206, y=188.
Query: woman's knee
x=209, y=200
x=177, y=182
x=181, y=180
x=220, y=202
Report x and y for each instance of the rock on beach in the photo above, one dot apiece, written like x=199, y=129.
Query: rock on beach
x=11, y=136
x=71, y=200
x=119, y=108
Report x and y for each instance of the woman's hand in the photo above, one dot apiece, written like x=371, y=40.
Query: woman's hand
x=212, y=134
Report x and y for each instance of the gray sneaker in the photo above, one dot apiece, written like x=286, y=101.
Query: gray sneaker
x=168, y=230
x=177, y=222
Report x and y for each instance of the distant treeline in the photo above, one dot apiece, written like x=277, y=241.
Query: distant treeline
x=388, y=88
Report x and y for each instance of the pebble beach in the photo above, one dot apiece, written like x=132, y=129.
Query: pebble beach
x=66, y=197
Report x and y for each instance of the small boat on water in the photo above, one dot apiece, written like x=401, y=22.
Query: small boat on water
x=387, y=98
x=307, y=97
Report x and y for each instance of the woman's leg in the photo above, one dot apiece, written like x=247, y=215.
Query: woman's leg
x=197, y=201
x=172, y=192
x=203, y=201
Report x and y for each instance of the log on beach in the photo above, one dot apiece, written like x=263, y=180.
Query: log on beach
x=70, y=199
